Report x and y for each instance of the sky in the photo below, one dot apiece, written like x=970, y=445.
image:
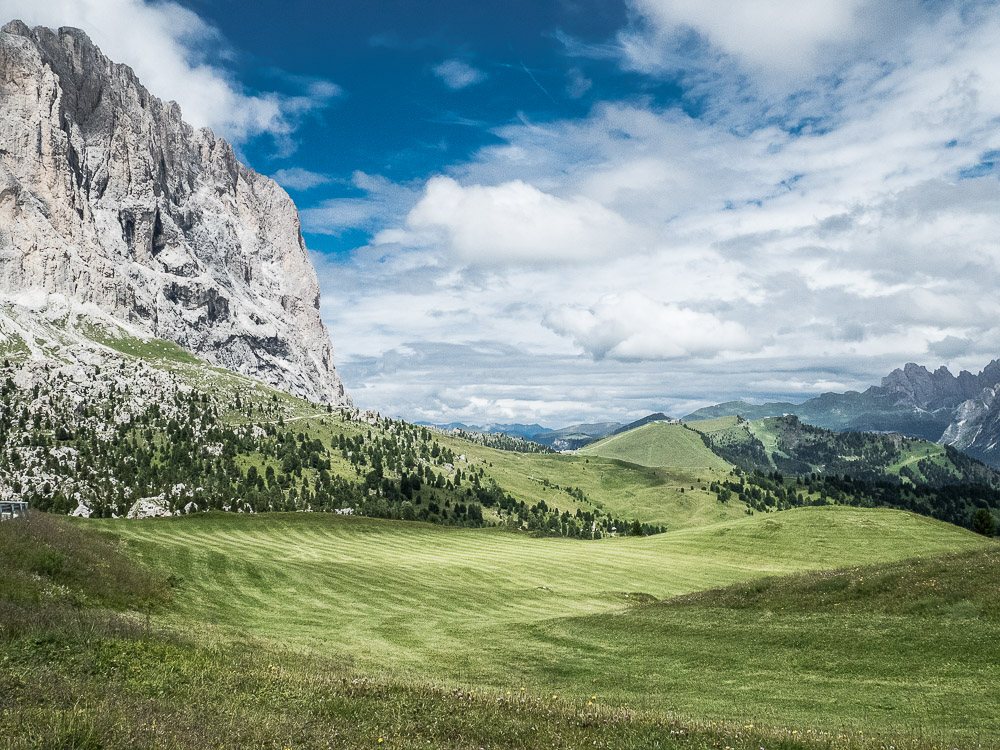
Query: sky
x=584, y=210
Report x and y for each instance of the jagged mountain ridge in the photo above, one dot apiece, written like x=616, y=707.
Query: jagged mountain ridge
x=958, y=410
x=109, y=201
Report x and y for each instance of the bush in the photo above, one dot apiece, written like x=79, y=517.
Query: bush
x=983, y=522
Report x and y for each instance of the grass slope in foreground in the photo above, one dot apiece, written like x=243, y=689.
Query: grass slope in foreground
x=410, y=603
x=294, y=630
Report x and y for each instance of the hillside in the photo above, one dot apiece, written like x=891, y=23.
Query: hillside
x=417, y=589
x=109, y=423
x=962, y=411
x=793, y=447
x=958, y=585
x=790, y=464
x=658, y=444
x=289, y=627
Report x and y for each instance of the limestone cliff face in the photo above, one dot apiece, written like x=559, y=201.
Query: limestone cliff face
x=107, y=197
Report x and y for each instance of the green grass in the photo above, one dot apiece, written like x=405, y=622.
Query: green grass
x=963, y=585
x=676, y=498
x=919, y=451
x=134, y=346
x=911, y=645
x=51, y=560
x=658, y=444
x=302, y=630
x=712, y=426
x=148, y=690
x=410, y=602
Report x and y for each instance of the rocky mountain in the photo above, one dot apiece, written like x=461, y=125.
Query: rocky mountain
x=112, y=208
x=957, y=410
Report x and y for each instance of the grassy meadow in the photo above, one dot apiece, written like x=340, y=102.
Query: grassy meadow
x=308, y=630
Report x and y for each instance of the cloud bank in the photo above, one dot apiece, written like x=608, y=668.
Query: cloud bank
x=824, y=208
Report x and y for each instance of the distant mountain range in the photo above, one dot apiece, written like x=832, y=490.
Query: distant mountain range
x=565, y=438
x=962, y=411
x=561, y=439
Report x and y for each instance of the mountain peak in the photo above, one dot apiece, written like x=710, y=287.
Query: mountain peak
x=112, y=201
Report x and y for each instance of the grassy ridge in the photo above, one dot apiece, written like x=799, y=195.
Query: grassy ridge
x=676, y=498
x=658, y=444
x=960, y=584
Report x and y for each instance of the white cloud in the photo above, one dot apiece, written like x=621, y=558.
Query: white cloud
x=516, y=222
x=170, y=48
x=577, y=84
x=772, y=246
x=631, y=326
x=296, y=178
x=778, y=35
x=458, y=74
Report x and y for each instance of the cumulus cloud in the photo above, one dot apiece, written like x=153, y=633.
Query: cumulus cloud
x=174, y=53
x=458, y=74
x=777, y=35
x=633, y=327
x=768, y=247
x=516, y=222
x=297, y=178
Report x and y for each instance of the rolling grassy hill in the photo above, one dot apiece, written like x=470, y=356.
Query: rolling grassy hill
x=658, y=444
x=792, y=447
x=302, y=630
x=221, y=440
x=372, y=588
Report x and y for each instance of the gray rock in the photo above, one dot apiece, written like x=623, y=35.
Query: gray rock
x=108, y=198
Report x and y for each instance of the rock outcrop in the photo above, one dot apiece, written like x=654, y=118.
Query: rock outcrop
x=109, y=199
x=916, y=386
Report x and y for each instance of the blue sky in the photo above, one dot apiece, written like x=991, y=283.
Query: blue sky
x=576, y=211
